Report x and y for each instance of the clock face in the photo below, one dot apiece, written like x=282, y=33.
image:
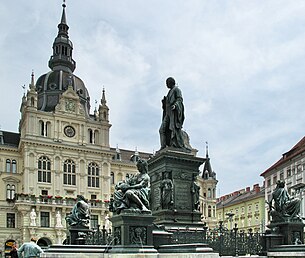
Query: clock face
x=70, y=106
x=69, y=131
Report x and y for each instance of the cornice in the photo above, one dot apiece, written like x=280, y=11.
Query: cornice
x=62, y=146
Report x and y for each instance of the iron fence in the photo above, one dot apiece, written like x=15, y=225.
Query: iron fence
x=234, y=242
x=223, y=241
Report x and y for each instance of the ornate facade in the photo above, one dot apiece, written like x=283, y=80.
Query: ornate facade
x=61, y=150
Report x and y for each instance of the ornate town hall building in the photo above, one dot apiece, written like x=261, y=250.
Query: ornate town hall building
x=62, y=150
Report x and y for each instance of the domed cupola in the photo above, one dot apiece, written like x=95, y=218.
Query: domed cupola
x=52, y=84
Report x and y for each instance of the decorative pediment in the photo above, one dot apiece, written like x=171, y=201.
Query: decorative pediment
x=10, y=179
x=69, y=103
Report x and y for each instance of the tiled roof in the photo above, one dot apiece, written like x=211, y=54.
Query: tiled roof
x=126, y=155
x=10, y=138
x=294, y=151
x=240, y=196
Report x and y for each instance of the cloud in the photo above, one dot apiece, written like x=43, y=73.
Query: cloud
x=240, y=66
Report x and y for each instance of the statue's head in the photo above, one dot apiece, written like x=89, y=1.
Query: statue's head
x=81, y=198
x=170, y=82
x=280, y=184
x=142, y=165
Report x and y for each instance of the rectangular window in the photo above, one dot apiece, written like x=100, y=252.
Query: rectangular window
x=44, y=192
x=94, y=221
x=45, y=219
x=10, y=220
x=288, y=172
x=299, y=168
x=268, y=182
x=282, y=176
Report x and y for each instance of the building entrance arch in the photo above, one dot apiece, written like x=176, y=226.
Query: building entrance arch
x=44, y=242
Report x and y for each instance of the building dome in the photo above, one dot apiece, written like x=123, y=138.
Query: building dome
x=51, y=85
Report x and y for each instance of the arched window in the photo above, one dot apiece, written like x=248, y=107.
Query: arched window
x=44, y=128
x=112, y=178
x=93, y=175
x=209, y=211
x=10, y=192
x=209, y=193
x=8, y=165
x=91, y=136
x=14, y=166
x=69, y=172
x=41, y=125
x=44, y=169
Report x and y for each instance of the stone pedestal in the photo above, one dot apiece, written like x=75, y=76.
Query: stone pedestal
x=292, y=231
x=181, y=168
x=283, y=234
x=78, y=235
x=132, y=232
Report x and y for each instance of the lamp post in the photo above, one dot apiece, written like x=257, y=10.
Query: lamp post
x=230, y=218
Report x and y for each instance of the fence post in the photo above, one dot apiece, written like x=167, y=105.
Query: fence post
x=235, y=239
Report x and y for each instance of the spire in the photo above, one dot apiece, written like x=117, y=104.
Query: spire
x=63, y=16
x=62, y=47
x=207, y=169
x=103, y=109
x=32, y=85
x=206, y=150
x=103, y=100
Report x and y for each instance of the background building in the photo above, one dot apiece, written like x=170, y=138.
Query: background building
x=208, y=182
x=245, y=207
x=291, y=169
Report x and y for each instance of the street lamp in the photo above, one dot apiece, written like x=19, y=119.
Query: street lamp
x=230, y=218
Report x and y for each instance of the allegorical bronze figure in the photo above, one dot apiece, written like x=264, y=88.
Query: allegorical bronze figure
x=80, y=214
x=282, y=206
x=132, y=193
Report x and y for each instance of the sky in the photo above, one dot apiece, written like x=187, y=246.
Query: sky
x=239, y=64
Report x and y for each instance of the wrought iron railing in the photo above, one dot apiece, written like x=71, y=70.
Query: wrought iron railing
x=226, y=242
x=234, y=242
x=98, y=237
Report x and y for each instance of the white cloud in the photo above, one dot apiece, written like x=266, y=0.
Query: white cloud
x=239, y=64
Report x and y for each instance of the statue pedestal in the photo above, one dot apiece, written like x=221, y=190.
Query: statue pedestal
x=132, y=232
x=283, y=234
x=78, y=235
x=292, y=231
x=181, y=168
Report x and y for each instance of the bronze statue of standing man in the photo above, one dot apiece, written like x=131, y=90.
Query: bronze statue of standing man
x=173, y=117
